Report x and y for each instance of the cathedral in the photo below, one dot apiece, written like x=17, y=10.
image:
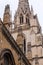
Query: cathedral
x=21, y=40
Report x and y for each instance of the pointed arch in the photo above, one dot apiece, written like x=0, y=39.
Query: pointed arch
x=7, y=57
x=27, y=19
x=21, y=18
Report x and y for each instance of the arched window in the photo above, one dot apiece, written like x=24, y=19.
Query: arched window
x=7, y=57
x=27, y=20
x=21, y=19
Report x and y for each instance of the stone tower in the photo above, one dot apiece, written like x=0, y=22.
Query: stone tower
x=26, y=31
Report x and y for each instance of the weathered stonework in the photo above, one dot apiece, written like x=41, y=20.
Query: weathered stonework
x=26, y=31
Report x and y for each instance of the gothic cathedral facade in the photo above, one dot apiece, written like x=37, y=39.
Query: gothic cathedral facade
x=26, y=31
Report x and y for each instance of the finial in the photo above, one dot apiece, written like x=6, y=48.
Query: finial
x=7, y=16
x=32, y=11
x=7, y=7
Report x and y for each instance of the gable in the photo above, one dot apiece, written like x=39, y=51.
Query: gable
x=12, y=43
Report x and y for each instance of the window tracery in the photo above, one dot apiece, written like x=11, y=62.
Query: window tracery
x=21, y=19
x=27, y=20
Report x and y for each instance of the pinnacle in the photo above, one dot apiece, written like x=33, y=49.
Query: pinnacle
x=7, y=6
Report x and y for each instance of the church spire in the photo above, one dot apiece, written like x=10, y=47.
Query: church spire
x=22, y=14
x=23, y=7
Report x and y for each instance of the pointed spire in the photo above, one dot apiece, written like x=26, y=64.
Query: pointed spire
x=32, y=11
x=7, y=15
x=24, y=9
x=7, y=7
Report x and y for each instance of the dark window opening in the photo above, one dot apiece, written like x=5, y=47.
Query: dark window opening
x=6, y=60
x=24, y=46
x=21, y=19
x=34, y=16
x=27, y=21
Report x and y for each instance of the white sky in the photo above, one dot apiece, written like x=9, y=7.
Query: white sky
x=37, y=6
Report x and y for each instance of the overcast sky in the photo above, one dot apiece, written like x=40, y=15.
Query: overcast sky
x=37, y=7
